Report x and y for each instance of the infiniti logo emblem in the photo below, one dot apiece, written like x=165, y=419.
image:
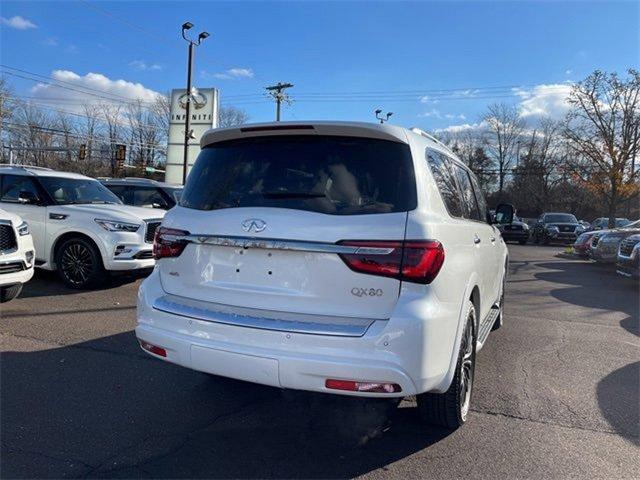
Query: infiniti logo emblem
x=254, y=225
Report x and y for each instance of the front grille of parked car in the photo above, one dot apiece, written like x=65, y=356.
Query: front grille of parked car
x=595, y=241
x=567, y=228
x=11, y=267
x=151, y=231
x=626, y=247
x=7, y=238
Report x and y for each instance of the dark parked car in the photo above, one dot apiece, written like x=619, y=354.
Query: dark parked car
x=144, y=192
x=556, y=227
x=516, y=231
x=628, y=262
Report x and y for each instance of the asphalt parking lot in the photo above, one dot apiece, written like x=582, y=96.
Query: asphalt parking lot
x=556, y=395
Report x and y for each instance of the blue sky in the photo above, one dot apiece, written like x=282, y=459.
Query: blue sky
x=392, y=54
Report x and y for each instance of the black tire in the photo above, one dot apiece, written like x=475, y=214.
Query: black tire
x=545, y=240
x=10, y=292
x=450, y=409
x=522, y=242
x=79, y=264
x=536, y=238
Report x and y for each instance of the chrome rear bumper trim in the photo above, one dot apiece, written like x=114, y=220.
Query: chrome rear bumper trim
x=277, y=244
x=263, y=319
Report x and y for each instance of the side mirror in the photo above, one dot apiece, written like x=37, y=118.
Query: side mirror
x=27, y=197
x=504, y=213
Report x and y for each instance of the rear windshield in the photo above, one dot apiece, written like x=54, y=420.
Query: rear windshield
x=560, y=218
x=326, y=174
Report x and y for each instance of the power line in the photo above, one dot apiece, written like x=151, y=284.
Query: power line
x=53, y=81
x=54, y=131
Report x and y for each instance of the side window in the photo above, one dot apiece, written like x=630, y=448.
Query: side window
x=19, y=189
x=482, y=202
x=446, y=182
x=121, y=191
x=148, y=197
x=469, y=201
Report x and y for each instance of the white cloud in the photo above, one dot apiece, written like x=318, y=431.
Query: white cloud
x=568, y=72
x=451, y=116
x=52, y=42
x=461, y=128
x=431, y=113
x=18, y=22
x=142, y=65
x=428, y=99
x=232, y=73
x=74, y=90
x=544, y=100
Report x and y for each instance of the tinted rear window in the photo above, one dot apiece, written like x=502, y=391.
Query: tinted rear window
x=325, y=174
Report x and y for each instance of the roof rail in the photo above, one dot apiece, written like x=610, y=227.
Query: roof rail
x=33, y=167
x=418, y=131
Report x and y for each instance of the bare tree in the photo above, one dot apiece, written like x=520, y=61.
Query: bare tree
x=603, y=131
x=112, y=114
x=504, y=128
x=231, y=116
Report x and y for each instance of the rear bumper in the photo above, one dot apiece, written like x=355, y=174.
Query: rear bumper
x=515, y=235
x=412, y=352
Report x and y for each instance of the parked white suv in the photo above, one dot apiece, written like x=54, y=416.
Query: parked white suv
x=16, y=255
x=79, y=227
x=344, y=258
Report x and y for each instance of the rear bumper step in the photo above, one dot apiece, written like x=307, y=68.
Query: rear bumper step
x=263, y=319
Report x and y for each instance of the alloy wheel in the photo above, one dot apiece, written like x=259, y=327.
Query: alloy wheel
x=77, y=263
x=466, y=374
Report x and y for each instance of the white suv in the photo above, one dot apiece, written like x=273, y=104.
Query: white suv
x=345, y=258
x=16, y=255
x=79, y=227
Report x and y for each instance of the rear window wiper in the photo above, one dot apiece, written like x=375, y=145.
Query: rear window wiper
x=292, y=195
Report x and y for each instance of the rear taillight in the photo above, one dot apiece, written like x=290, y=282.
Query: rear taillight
x=168, y=243
x=369, y=387
x=416, y=261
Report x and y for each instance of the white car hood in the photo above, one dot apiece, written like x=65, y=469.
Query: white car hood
x=110, y=211
x=15, y=219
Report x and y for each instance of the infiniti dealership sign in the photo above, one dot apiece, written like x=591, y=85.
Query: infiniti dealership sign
x=204, y=115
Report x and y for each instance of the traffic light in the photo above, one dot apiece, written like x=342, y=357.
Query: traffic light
x=121, y=153
x=82, y=153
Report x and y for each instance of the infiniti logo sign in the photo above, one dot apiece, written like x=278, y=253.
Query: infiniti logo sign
x=254, y=225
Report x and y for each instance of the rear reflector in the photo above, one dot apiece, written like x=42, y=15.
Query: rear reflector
x=153, y=348
x=416, y=261
x=370, y=387
x=166, y=243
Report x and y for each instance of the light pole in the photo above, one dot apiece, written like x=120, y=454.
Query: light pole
x=187, y=122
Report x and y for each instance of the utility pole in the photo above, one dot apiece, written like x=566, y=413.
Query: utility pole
x=277, y=92
x=187, y=122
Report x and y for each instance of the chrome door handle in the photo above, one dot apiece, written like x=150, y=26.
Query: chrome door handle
x=476, y=240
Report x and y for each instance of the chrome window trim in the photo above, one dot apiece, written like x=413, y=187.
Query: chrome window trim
x=276, y=244
x=263, y=319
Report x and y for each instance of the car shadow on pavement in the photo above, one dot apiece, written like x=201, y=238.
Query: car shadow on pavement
x=618, y=392
x=619, y=398
x=103, y=408
x=46, y=283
